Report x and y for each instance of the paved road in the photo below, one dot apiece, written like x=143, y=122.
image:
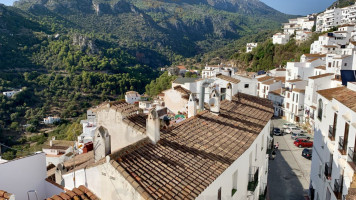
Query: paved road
x=289, y=173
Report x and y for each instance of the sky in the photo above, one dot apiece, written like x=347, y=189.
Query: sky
x=296, y=7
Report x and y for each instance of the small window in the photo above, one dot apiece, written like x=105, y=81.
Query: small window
x=345, y=64
x=219, y=194
x=320, y=109
x=234, y=183
x=247, y=85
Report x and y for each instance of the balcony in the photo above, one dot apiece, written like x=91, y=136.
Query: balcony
x=327, y=171
x=342, y=148
x=263, y=192
x=253, y=179
x=352, y=157
x=331, y=133
x=338, y=188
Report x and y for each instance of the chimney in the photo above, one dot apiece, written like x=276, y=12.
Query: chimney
x=192, y=106
x=153, y=126
x=229, y=93
x=202, y=95
x=58, y=174
x=214, y=102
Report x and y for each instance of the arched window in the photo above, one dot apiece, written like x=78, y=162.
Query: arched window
x=320, y=109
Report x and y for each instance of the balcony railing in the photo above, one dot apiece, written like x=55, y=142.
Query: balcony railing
x=352, y=155
x=263, y=192
x=338, y=188
x=331, y=133
x=253, y=179
x=328, y=170
x=341, y=145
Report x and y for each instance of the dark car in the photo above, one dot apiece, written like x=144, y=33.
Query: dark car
x=307, y=153
x=303, y=143
x=277, y=131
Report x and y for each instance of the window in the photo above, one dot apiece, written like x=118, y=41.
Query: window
x=345, y=64
x=258, y=86
x=256, y=153
x=263, y=140
x=219, y=194
x=234, y=183
x=296, y=98
x=320, y=109
x=287, y=105
x=247, y=85
x=293, y=97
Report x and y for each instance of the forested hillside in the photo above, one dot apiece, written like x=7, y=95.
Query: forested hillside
x=68, y=55
x=342, y=3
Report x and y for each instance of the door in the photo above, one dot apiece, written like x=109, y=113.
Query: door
x=346, y=137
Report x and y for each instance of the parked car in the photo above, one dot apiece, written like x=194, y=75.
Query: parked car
x=288, y=125
x=307, y=153
x=277, y=131
x=303, y=143
x=299, y=136
x=293, y=130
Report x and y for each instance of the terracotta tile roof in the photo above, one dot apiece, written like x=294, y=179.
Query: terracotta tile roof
x=181, y=67
x=330, y=46
x=332, y=92
x=298, y=90
x=4, y=195
x=228, y=78
x=78, y=162
x=185, y=93
x=314, y=55
x=281, y=70
x=312, y=60
x=321, y=76
x=120, y=106
x=320, y=67
x=280, y=78
x=137, y=122
x=313, y=107
x=80, y=193
x=343, y=95
x=345, y=25
x=269, y=82
x=294, y=80
x=59, y=144
x=193, y=153
x=276, y=92
x=265, y=78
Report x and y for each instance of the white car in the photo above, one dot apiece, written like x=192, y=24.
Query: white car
x=288, y=125
x=293, y=130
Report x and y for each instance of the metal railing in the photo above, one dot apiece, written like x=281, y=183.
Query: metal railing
x=341, y=145
x=331, y=133
x=263, y=191
x=328, y=170
x=253, y=179
x=337, y=188
x=352, y=155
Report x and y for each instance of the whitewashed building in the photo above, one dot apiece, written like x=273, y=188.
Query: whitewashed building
x=26, y=177
x=58, y=151
x=280, y=38
x=11, y=93
x=333, y=163
x=51, y=120
x=250, y=46
x=212, y=70
x=132, y=97
x=183, y=152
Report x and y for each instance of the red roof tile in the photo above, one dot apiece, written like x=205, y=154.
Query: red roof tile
x=80, y=193
x=228, y=78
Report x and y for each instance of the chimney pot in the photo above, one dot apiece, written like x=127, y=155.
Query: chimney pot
x=153, y=126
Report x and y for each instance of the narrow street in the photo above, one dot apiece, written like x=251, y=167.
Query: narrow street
x=289, y=172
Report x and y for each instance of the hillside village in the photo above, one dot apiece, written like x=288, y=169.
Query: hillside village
x=209, y=136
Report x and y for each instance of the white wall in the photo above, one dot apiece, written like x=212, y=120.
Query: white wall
x=121, y=134
x=104, y=181
x=21, y=175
